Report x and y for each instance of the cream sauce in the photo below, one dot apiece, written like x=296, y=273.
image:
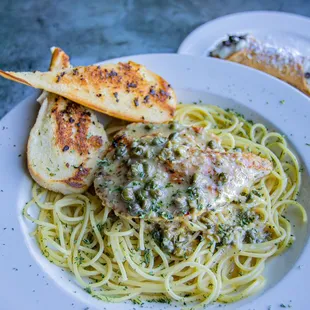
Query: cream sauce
x=230, y=46
x=168, y=171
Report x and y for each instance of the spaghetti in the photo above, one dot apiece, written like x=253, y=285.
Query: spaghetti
x=114, y=259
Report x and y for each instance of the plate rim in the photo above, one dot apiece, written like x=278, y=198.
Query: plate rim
x=193, y=35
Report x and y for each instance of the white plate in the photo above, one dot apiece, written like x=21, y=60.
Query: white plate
x=30, y=281
x=279, y=28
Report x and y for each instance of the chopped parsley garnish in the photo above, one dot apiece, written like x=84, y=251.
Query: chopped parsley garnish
x=104, y=162
x=163, y=300
x=79, y=259
x=147, y=256
x=87, y=290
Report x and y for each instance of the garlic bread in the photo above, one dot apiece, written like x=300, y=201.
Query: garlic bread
x=127, y=91
x=66, y=141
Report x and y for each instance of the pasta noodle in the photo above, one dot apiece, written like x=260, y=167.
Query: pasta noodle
x=113, y=258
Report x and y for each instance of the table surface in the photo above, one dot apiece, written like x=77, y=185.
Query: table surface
x=91, y=31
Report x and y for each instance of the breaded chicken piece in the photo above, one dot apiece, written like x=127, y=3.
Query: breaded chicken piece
x=165, y=173
x=66, y=141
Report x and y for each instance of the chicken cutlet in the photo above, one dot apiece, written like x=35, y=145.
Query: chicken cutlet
x=168, y=171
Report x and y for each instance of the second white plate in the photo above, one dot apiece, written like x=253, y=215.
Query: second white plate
x=274, y=27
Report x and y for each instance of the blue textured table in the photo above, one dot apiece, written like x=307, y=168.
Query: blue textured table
x=95, y=30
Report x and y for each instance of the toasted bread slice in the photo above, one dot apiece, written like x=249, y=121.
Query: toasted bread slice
x=59, y=61
x=125, y=90
x=66, y=141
